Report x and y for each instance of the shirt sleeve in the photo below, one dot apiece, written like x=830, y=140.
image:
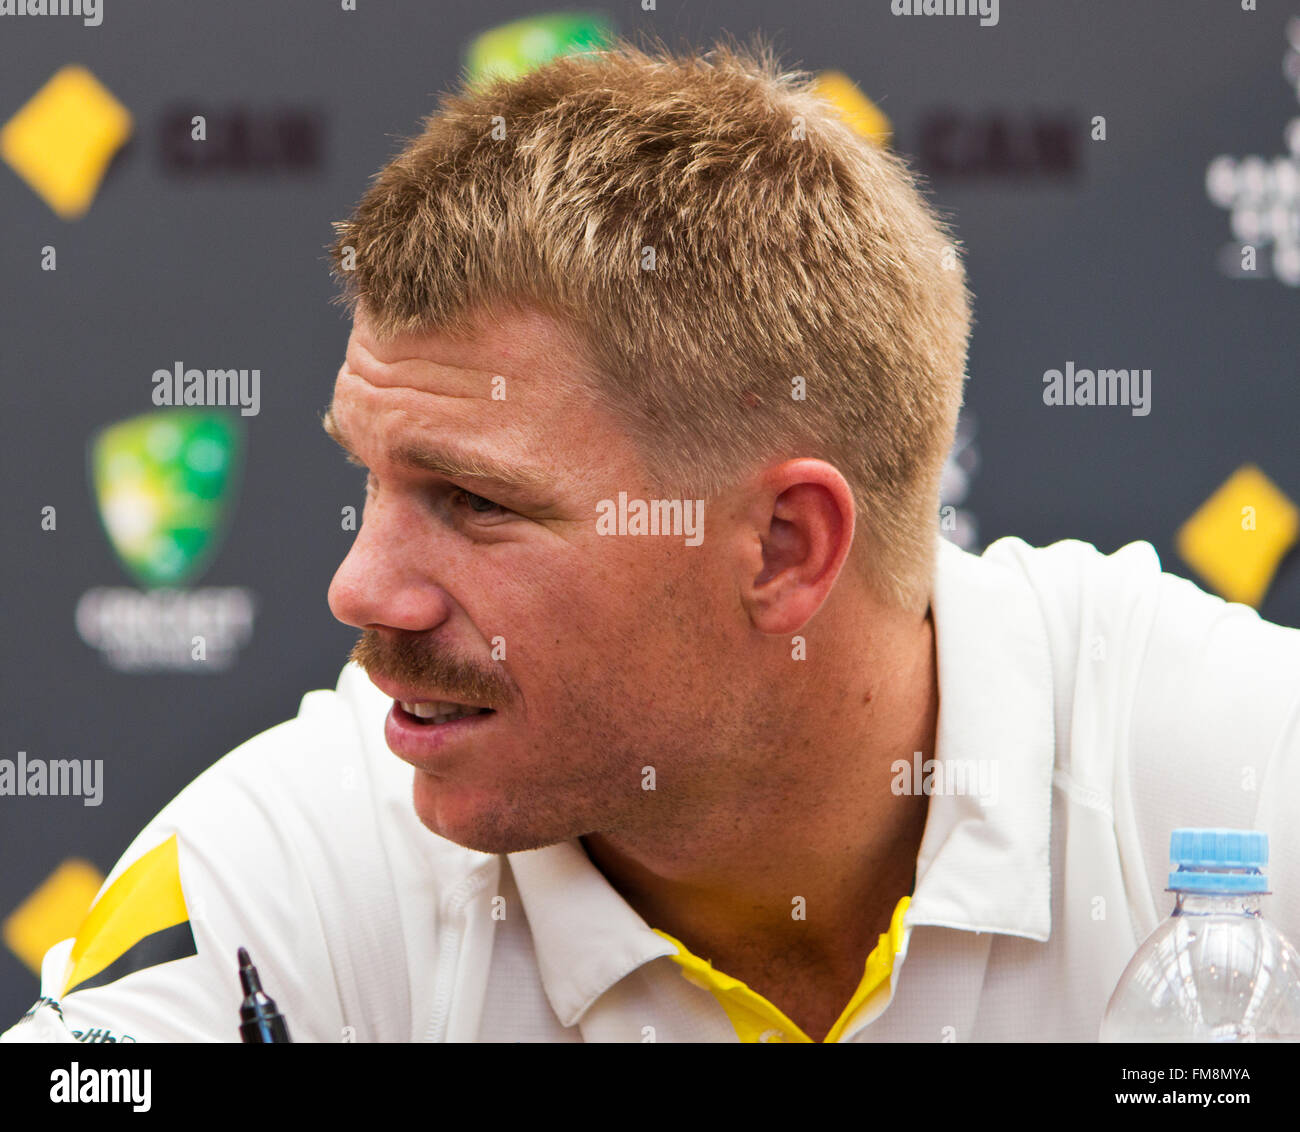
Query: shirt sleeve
x=246, y=856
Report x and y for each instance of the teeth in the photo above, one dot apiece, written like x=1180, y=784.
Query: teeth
x=425, y=710
x=440, y=711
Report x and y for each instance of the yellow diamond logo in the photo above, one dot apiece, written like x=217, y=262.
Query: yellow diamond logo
x=53, y=912
x=1238, y=537
x=61, y=142
x=854, y=107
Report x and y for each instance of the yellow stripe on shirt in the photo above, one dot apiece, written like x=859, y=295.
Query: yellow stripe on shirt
x=755, y=1019
x=145, y=899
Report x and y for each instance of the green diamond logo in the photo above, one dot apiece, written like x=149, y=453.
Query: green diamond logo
x=163, y=481
x=515, y=49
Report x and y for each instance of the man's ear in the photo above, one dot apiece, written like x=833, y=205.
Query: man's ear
x=802, y=513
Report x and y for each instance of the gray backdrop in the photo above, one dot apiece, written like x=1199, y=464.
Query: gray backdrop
x=1106, y=253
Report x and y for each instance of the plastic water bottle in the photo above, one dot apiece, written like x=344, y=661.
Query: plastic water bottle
x=1215, y=970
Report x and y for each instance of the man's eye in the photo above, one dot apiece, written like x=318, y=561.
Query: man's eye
x=476, y=503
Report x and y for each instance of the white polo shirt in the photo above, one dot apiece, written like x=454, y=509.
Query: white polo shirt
x=1096, y=702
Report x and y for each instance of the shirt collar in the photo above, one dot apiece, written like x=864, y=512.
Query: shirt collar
x=986, y=867
x=982, y=866
x=586, y=936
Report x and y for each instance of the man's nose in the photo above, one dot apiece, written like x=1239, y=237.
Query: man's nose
x=383, y=581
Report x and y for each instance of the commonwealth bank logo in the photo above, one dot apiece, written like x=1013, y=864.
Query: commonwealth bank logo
x=64, y=139
x=164, y=484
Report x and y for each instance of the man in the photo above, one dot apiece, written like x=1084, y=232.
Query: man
x=702, y=732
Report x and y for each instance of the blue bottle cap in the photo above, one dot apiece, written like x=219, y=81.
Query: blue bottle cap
x=1218, y=860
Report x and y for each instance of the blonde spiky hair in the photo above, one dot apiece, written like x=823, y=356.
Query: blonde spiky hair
x=783, y=245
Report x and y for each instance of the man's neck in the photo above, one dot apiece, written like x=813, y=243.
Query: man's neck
x=793, y=885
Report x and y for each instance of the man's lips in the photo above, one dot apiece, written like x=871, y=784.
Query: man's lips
x=426, y=744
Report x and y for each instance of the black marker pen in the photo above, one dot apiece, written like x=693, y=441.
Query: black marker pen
x=259, y=1021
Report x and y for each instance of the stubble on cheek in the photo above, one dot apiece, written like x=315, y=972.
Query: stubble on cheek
x=636, y=723
x=578, y=771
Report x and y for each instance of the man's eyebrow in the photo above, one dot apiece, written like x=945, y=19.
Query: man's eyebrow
x=330, y=425
x=453, y=465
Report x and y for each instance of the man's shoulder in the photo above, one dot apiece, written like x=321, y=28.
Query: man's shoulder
x=1174, y=707
x=1166, y=654
x=1069, y=572
x=1172, y=617
x=324, y=776
x=1124, y=606
x=302, y=845
x=1067, y=604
